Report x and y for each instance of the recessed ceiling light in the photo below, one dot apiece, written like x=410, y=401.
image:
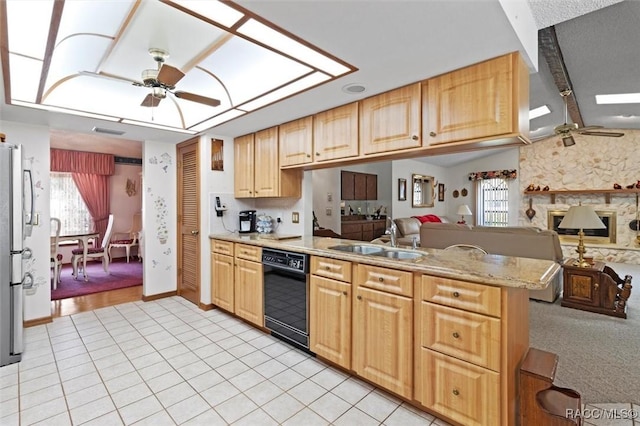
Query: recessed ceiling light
x=539, y=112
x=620, y=98
x=354, y=88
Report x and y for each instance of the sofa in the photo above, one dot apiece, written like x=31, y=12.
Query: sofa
x=409, y=227
x=528, y=242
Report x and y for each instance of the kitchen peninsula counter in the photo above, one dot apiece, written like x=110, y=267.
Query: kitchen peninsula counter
x=495, y=270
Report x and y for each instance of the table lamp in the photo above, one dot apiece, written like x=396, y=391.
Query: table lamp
x=581, y=217
x=463, y=210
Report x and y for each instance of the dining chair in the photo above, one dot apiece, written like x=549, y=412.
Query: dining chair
x=56, y=256
x=94, y=252
x=128, y=239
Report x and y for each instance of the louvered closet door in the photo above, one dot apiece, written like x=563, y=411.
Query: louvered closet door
x=188, y=221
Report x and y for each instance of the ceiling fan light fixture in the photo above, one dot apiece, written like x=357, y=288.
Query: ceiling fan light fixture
x=149, y=76
x=568, y=141
x=159, y=93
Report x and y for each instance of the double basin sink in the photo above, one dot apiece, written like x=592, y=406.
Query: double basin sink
x=378, y=251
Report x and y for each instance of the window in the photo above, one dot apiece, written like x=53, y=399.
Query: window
x=67, y=205
x=493, y=202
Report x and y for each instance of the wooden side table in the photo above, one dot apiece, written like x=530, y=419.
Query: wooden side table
x=596, y=289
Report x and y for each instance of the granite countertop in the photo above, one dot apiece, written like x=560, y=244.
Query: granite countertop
x=503, y=271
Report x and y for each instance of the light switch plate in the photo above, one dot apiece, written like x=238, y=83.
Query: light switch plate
x=329, y=196
x=295, y=217
x=328, y=211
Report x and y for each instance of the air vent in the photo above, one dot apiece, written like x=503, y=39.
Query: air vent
x=107, y=131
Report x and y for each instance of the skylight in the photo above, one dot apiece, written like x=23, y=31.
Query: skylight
x=94, y=63
x=539, y=112
x=621, y=98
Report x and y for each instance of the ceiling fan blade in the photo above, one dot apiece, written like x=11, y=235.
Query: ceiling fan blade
x=197, y=98
x=150, y=101
x=606, y=134
x=587, y=128
x=169, y=75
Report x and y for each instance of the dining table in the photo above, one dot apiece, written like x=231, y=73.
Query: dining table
x=82, y=239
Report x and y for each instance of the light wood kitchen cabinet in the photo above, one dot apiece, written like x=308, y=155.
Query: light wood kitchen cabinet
x=222, y=291
x=249, y=293
x=295, y=141
x=330, y=320
x=474, y=102
x=257, y=172
x=391, y=121
x=335, y=133
x=382, y=350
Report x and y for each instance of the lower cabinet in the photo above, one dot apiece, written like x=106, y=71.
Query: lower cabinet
x=222, y=281
x=249, y=300
x=330, y=320
x=383, y=335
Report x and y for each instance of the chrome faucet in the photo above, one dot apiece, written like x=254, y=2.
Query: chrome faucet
x=392, y=230
x=414, y=243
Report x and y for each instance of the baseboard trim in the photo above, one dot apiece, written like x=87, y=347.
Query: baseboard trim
x=37, y=321
x=206, y=306
x=159, y=296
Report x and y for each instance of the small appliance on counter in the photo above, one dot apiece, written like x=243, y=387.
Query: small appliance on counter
x=264, y=224
x=247, y=221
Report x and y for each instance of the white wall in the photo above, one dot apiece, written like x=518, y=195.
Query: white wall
x=35, y=140
x=159, y=216
x=327, y=182
x=404, y=169
x=124, y=206
x=459, y=178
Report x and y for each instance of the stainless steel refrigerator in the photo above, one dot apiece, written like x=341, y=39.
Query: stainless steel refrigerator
x=16, y=216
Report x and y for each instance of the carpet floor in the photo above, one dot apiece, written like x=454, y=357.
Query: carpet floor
x=599, y=355
x=121, y=275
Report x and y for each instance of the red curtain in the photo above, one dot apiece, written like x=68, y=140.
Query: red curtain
x=81, y=162
x=94, y=190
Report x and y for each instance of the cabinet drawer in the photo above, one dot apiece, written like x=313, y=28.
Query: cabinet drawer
x=331, y=268
x=469, y=337
x=384, y=279
x=222, y=247
x=253, y=253
x=464, y=392
x=479, y=298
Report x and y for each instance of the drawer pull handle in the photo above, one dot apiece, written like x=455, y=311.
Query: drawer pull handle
x=359, y=297
x=381, y=279
x=456, y=294
x=414, y=137
x=456, y=392
x=456, y=335
x=328, y=268
x=432, y=134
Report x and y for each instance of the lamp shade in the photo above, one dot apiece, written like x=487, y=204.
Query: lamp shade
x=581, y=217
x=464, y=210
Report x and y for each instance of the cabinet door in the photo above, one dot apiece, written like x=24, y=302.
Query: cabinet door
x=360, y=186
x=243, y=166
x=335, y=133
x=267, y=171
x=391, y=120
x=372, y=187
x=383, y=339
x=470, y=103
x=249, y=294
x=295, y=141
x=351, y=231
x=581, y=285
x=222, y=281
x=347, y=183
x=330, y=320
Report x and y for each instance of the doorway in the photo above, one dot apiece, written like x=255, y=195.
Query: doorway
x=189, y=220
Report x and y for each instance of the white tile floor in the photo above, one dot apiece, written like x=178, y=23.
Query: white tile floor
x=167, y=362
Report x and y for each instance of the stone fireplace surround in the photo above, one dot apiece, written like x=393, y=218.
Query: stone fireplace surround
x=593, y=163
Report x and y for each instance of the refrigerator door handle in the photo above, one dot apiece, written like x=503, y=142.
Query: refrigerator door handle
x=17, y=343
x=29, y=211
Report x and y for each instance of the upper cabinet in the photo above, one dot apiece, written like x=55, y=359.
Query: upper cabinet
x=335, y=133
x=358, y=186
x=257, y=171
x=296, y=142
x=478, y=101
x=391, y=121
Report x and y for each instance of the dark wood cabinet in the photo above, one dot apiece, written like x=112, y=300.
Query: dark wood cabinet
x=358, y=186
x=363, y=230
x=595, y=289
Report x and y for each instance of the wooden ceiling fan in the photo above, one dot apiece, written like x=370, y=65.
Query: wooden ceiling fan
x=565, y=130
x=164, y=79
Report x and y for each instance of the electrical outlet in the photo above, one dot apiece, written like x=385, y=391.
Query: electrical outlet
x=295, y=217
x=279, y=217
x=329, y=197
x=328, y=211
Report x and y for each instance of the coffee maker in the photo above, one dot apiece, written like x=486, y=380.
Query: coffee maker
x=247, y=221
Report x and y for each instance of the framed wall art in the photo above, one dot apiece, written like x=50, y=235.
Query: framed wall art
x=441, y=192
x=402, y=190
x=217, y=158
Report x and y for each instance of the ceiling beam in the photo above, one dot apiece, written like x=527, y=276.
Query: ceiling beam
x=550, y=49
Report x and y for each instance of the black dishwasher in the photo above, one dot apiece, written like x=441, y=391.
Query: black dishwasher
x=286, y=295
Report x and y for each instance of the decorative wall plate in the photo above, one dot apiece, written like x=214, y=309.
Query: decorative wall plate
x=455, y=193
x=464, y=192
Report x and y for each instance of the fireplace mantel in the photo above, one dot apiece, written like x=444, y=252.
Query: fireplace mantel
x=607, y=193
